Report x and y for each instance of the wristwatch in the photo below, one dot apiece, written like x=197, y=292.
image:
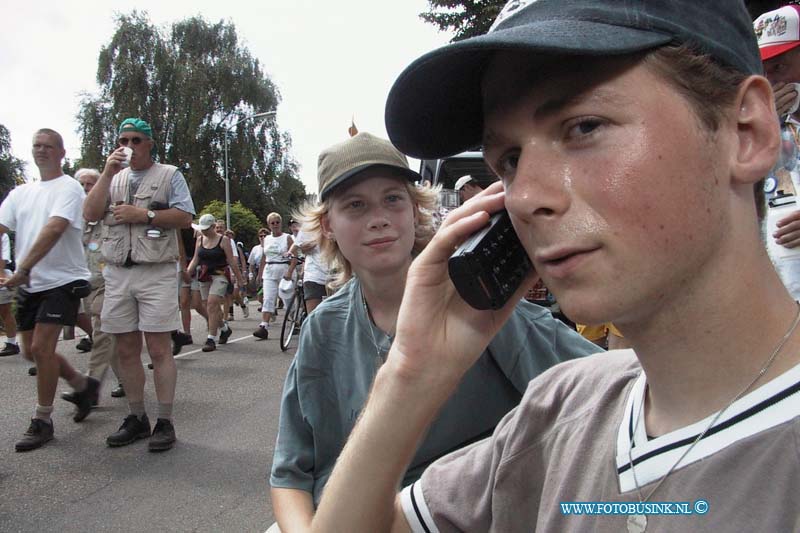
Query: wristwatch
x=150, y=216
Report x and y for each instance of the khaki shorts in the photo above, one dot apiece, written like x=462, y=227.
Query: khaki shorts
x=140, y=298
x=218, y=286
x=192, y=285
x=6, y=296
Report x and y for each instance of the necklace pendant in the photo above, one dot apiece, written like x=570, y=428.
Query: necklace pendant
x=637, y=523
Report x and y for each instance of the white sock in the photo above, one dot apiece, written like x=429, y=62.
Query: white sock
x=214, y=338
x=264, y=324
x=12, y=340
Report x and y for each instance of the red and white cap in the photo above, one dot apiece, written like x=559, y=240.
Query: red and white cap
x=778, y=31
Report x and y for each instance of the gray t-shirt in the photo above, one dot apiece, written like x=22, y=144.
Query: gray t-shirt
x=569, y=441
x=336, y=362
x=179, y=198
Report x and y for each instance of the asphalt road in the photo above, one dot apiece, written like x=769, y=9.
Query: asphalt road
x=214, y=479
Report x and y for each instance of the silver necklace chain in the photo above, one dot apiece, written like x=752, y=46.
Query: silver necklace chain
x=640, y=520
x=372, y=327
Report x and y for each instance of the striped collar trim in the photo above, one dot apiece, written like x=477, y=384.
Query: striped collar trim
x=770, y=405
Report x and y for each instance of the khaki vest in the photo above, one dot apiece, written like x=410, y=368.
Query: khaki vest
x=126, y=244
x=92, y=238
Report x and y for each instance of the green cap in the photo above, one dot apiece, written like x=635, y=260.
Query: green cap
x=136, y=124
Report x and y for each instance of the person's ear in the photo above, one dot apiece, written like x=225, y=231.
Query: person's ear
x=325, y=224
x=757, y=131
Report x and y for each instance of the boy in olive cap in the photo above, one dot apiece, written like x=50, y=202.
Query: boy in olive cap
x=141, y=203
x=631, y=138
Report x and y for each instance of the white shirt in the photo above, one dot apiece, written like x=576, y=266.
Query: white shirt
x=5, y=244
x=314, y=268
x=27, y=209
x=275, y=250
x=255, y=255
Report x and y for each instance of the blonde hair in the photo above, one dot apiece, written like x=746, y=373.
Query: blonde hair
x=274, y=215
x=425, y=199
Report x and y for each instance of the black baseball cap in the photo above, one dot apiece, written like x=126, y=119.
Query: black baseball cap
x=434, y=108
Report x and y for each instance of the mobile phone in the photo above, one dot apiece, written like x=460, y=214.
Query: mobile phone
x=490, y=265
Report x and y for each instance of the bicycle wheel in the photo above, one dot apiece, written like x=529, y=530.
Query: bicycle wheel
x=289, y=318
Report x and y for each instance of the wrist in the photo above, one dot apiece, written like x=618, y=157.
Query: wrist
x=24, y=271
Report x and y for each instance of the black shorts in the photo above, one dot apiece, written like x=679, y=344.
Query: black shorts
x=313, y=291
x=53, y=306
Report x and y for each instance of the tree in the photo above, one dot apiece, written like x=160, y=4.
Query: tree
x=12, y=169
x=191, y=83
x=244, y=222
x=467, y=18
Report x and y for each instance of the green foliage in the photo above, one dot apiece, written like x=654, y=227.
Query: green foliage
x=69, y=167
x=193, y=82
x=244, y=222
x=467, y=18
x=11, y=168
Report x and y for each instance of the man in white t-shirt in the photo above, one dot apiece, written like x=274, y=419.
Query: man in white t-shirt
x=6, y=297
x=51, y=277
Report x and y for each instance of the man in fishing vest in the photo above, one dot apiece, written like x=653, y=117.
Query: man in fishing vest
x=142, y=204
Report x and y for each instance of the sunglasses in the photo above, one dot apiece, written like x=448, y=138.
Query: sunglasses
x=123, y=141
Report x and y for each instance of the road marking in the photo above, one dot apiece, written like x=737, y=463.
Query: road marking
x=230, y=341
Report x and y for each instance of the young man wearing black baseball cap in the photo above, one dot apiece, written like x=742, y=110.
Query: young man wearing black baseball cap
x=631, y=138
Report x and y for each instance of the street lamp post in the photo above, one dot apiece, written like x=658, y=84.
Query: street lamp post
x=227, y=182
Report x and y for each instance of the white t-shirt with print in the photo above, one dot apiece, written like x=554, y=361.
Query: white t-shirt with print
x=275, y=249
x=28, y=208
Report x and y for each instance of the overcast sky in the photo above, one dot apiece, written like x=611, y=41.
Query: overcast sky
x=331, y=60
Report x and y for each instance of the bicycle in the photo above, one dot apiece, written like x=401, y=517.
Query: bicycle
x=294, y=314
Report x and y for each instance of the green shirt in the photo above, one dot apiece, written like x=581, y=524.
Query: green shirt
x=329, y=381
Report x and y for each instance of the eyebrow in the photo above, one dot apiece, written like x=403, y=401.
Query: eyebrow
x=556, y=104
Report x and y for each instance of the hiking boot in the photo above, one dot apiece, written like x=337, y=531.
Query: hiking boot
x=84, y=345
x=179, y=340
x=163, y=436
x=119, y=392
x=261, y=333
x=84, y=400
x=32, y=371
x=225, y=334
x=39, y=432
x=72, y=397
x=209, y=346
x=132, y=429
x=9, y=349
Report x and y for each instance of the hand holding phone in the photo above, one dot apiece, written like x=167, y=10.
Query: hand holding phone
x=489, y=267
